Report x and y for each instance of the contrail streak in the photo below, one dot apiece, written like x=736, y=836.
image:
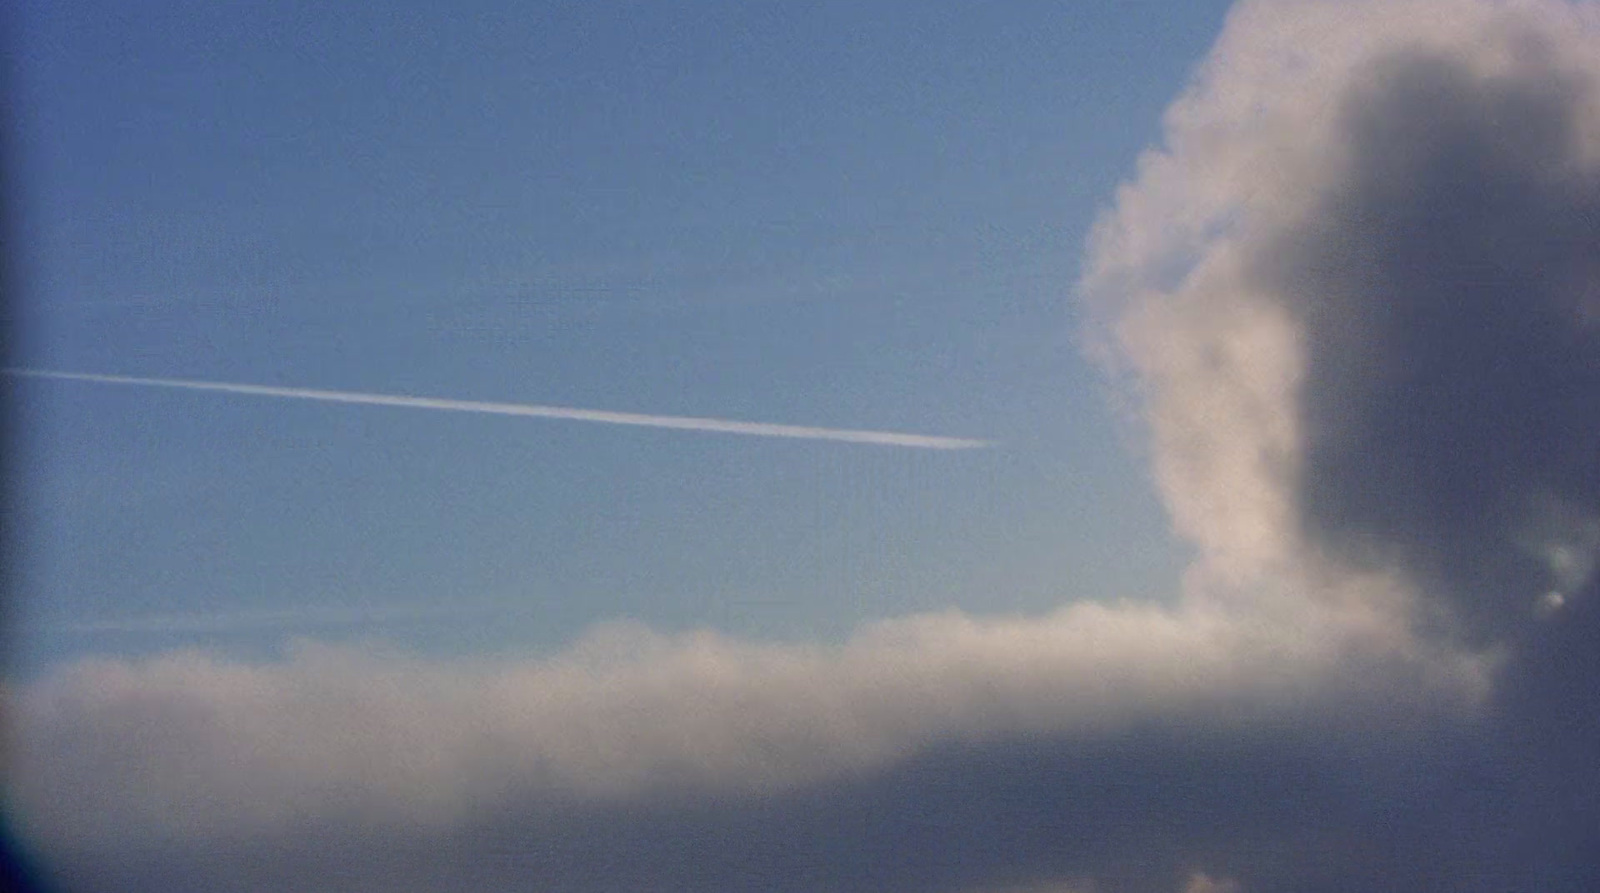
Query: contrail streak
x=681, y=423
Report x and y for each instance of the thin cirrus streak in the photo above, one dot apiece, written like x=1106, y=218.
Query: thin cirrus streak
x=680, y=423
x=295, y=617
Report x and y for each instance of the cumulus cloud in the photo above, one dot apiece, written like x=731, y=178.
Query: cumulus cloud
x=1355, y=300
x=1357, y=293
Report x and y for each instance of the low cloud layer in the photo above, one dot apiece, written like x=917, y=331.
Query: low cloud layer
x=186, y=746
x=1355, y=302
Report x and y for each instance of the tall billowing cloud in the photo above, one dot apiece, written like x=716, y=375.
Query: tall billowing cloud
x=1359, y=291
x=1355, y=299
x=1356, y=295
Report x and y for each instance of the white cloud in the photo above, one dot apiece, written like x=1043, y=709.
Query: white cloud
x=193, y=745
x=1211, y=347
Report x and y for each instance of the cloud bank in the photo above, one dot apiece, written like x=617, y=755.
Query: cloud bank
x=190, y=746
x=1353, y=300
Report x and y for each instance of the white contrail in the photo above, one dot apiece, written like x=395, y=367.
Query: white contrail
x=681, y=423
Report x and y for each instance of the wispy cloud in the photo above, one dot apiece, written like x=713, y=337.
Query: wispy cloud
x=532, y=410
x=302, y=617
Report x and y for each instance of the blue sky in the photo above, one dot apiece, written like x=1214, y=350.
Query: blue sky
x=858, y=215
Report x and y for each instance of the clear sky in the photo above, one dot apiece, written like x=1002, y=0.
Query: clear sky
x=855, y=215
